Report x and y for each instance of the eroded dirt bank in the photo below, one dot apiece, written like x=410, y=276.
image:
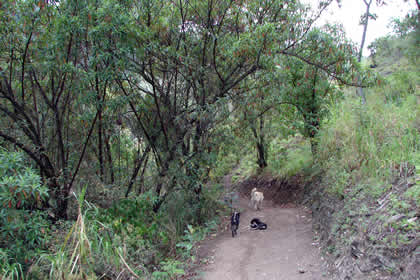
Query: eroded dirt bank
x=367, y=237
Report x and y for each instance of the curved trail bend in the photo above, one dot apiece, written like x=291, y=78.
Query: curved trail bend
x=285, y=251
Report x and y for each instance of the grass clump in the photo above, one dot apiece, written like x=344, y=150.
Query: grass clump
x=358, y=143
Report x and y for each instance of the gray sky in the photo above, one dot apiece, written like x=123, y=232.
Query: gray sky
x=351, y=10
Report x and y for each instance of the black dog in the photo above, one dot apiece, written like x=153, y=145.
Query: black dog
x=257, y=224
x=234, y=222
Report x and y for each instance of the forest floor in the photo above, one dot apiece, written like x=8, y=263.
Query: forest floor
x=286, y=250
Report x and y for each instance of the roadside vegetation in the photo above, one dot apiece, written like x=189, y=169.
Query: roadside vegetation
x=367, y=199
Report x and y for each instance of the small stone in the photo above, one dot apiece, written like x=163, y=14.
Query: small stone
x=301, y=270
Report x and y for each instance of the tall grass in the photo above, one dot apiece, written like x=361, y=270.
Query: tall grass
x=369, y=142
x=90, y=250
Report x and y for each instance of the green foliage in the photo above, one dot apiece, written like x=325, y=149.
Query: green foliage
x=10, y=270
x=396, y=54
x=128, y=239
x=84, y=249
x=409, y=24
x=20, y=186
x=226, y=161
x=170, y=269
x=414, y=191
x=24, y=229
x=368, y=142
x=399, y=85
x=99, y=242
x=289, y=156
x=248, y=167
x=193, y=235
x=133, y=220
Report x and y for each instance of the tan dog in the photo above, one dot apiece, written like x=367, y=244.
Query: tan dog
x=256, y=199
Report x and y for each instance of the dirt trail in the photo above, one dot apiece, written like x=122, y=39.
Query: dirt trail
x=286, y=250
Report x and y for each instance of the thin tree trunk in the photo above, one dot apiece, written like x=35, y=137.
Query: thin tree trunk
x=261, y=146
x=259, y=142
x=262, y=163
x=100, y=147
x=365, y=25
x=141, y=183
x=109, y=158
x=100, y=130
x=359, y=90
x=139, y=163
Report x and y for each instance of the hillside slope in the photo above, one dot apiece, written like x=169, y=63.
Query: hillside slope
x=366, y=197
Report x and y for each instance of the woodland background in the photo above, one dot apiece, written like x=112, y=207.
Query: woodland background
x=119, y=119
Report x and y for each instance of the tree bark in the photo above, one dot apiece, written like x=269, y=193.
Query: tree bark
x=262, y=163
x=100, y=147
x=109, y=158
x=139, y=163
x=100, y=129
x=141, y=183
x=259, y=142
x=359, y=90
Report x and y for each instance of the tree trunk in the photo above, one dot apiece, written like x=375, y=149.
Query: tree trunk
x=262, y=163
x=312, y=136
x=359, y=90
x=109, y=158
x=259, y=142
x=162, y=175
x=197, y=192
x=139, y=163
x=100, y=147
x=141, y=183
x=261, y=146
x=100, y=129
x=62, y=198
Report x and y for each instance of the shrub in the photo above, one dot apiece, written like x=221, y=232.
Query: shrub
x=23, y=228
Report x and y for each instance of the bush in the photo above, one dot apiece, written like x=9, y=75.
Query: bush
x=23, y=228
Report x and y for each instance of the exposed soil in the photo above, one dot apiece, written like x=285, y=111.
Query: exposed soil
x=286, y=250
x=369, y=238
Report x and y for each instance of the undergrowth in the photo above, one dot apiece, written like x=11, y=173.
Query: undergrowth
x=361, y=143
x=126, y=241
x=286, y=157
x=370, y=157
x=289, y=156
x=24, y=228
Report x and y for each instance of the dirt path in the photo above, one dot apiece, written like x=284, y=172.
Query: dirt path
x=286, y=250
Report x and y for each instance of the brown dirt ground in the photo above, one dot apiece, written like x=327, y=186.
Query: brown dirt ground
x=286, y=250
